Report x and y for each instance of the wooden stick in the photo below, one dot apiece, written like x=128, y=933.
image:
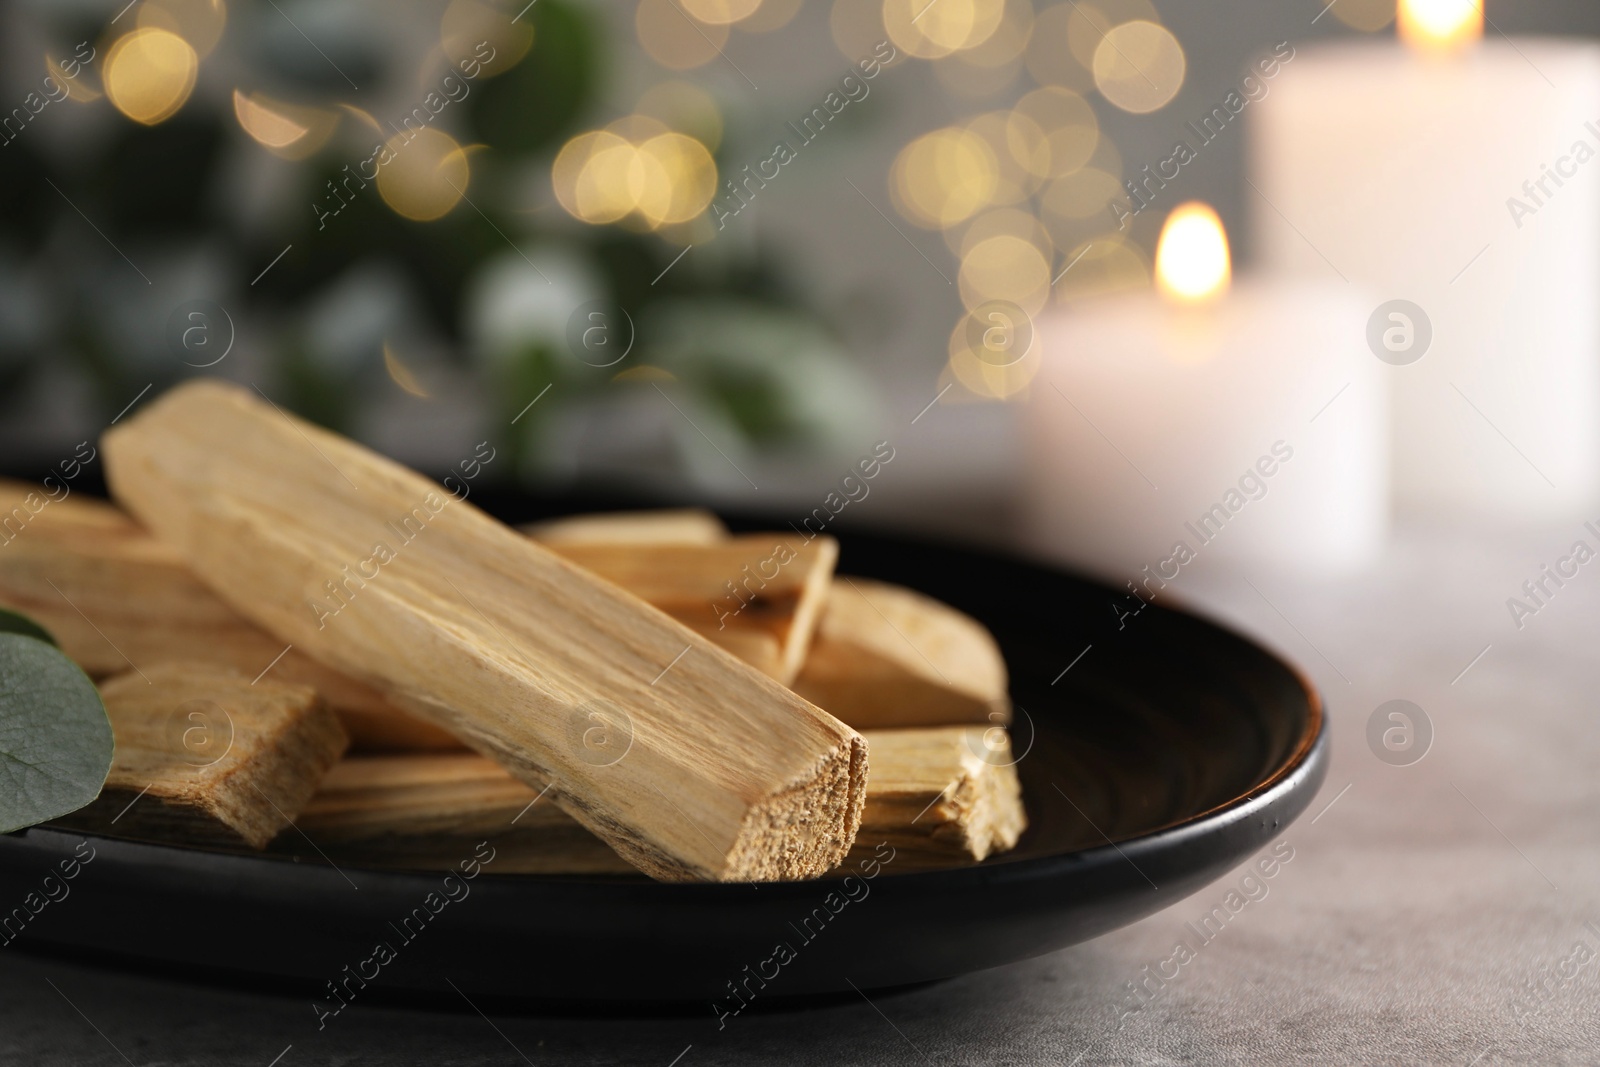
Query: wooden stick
x=116, y=599
x=411, y=810
x=882, y=656
x=885, y=656
x=767, y=638
x=665, y=526
x=939, y=797
x=945, y=791
x=205, y=757
x=705, y=768
x=760, y=585
x=760, y=649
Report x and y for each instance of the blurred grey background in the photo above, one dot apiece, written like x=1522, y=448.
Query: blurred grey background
x=771, y=353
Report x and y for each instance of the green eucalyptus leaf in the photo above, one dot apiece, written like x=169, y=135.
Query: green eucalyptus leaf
x=12, y=623
x=55, y=738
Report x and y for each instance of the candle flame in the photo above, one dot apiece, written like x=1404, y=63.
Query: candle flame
x=1192, y=261
x=1440, y=25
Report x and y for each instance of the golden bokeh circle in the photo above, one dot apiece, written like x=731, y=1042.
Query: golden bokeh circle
x=1082, y=194
x=637, y=127
x=680, y=178
x=997, y=222
x=1067, y=124
x=1139, y=66
x=1008, y=43
x=1005, y=267
x=1014, y=182
x=1102, y=266
x=149, y=74
x=611, y=181
x=944, y=177
x=983, y=377
x=291, y=131
x=988, y=70
x=425, y=175
x=1027, y=144
x=932, y=29
x=569, y=164
x=721, y=12
x=1092, y=20
x=634, y=172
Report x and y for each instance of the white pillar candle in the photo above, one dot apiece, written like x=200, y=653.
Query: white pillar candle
x=1469, y=185
x=1246, y=429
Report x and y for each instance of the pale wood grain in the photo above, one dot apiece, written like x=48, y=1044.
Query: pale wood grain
x=939, y=797
x=203, y=757
x=661, y=526
x=875, y=655
x=379, y=573
x=944, y=791
x=742, y=592
x=886, y=656
x=115, y=598
x=766, y=638
x=417, y=811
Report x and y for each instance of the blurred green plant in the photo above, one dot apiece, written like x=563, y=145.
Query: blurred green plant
x=345, y=305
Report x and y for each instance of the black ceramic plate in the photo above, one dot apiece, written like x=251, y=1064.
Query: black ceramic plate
x=1170, y=751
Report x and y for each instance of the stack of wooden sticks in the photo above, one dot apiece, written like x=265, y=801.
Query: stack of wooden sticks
x=597, y=695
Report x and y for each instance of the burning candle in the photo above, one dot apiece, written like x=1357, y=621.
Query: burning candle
x=1239, y=423
x=1454, y=179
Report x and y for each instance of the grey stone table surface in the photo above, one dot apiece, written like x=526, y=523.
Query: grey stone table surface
x=1443, y=912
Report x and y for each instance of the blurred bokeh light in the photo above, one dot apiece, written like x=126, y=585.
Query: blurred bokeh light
x=150, y=74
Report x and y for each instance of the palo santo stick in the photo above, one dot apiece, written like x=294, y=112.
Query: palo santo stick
x=205, y=757
x=938, y=796
x=885, y=656
x=944, y=791
x=760, y=649
x=666, y=526
x=415, y=810
x=763, y=584
x=708, y=770
x=767, y=637
x=116, y=598
x=880, y=656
